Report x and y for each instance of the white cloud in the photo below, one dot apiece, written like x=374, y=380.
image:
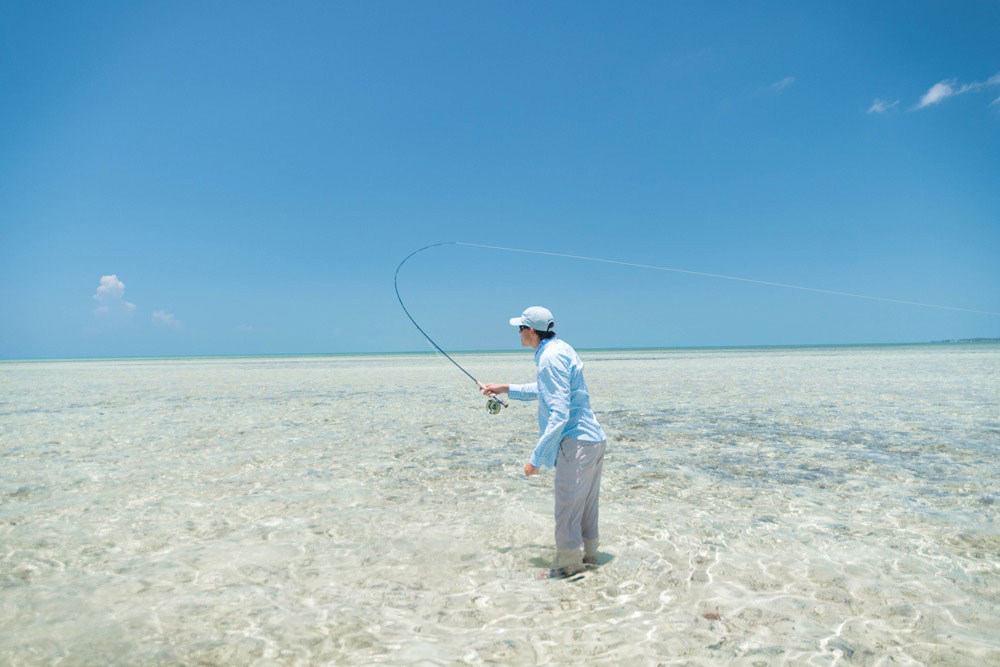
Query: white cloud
x=939, y=91
x=881, y=106
x=942, y=90
x=244, y=328
x=110, y=297
x=166, y=319
x=779, y=86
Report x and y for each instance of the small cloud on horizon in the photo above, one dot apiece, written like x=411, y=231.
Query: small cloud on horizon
x=110, y=297
x=166, y=319
x=779, y=86
x=881, y=106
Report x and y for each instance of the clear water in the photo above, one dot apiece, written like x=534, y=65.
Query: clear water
x=807, y=506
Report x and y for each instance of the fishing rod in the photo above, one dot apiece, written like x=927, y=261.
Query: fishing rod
x=495, y=402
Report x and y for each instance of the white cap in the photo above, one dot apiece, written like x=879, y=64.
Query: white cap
x=535, y=317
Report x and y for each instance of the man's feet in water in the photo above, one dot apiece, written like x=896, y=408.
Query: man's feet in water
x=561, y=573
x=568, y=572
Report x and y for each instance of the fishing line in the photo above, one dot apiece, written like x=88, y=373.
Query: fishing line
x=495, y=402
x=719, y=275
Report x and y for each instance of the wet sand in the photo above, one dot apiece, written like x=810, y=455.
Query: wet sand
x=801, y=506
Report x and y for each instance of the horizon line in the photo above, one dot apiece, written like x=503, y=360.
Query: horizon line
x=953, y=341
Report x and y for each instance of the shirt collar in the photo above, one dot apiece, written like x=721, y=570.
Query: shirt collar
x=541, y=345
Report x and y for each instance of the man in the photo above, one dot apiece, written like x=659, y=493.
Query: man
x=572, y=441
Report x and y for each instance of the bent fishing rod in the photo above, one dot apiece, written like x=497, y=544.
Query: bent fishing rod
x=495, y=402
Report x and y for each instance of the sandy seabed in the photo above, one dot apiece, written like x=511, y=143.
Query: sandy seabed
x=759, y=506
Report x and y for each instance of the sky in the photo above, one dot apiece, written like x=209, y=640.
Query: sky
x=193, y=178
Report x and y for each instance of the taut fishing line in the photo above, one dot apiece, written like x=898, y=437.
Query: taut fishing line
x=495, y=403
x=719, y=275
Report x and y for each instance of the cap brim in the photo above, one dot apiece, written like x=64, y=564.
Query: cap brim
x=516, y=321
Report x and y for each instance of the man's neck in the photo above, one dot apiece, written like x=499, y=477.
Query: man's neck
x=541, y=342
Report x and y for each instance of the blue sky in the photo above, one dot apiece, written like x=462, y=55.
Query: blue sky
x=244, y=177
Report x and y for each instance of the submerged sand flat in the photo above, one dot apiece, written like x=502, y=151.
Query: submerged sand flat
x=806, y=506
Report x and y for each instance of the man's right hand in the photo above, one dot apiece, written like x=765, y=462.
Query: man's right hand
x=494, y=389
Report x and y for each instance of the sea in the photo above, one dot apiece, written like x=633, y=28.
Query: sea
x=759, y=506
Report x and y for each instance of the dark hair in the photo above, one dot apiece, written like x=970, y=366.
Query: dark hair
x=545, y=335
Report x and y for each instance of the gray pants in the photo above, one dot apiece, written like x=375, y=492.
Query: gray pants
x=578, y=485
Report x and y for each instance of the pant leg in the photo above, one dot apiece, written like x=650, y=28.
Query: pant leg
x=591, y=534
x=568, y=512
x=577, y=486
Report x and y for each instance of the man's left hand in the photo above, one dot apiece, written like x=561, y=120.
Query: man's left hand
x=530, y=470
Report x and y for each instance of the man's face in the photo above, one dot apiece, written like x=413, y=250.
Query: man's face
x=528, y=337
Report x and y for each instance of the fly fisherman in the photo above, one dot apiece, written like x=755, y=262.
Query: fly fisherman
x=571, y=440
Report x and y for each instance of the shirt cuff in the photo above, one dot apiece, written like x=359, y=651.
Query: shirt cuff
x=517, y=392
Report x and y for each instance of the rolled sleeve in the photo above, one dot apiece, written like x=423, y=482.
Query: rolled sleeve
x=523, y=392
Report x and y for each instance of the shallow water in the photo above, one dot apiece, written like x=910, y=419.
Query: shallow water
x=808, y=506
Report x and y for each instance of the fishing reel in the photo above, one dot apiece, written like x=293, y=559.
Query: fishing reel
x=495, y=404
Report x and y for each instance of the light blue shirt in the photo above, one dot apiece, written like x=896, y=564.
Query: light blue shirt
x=563, y=401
